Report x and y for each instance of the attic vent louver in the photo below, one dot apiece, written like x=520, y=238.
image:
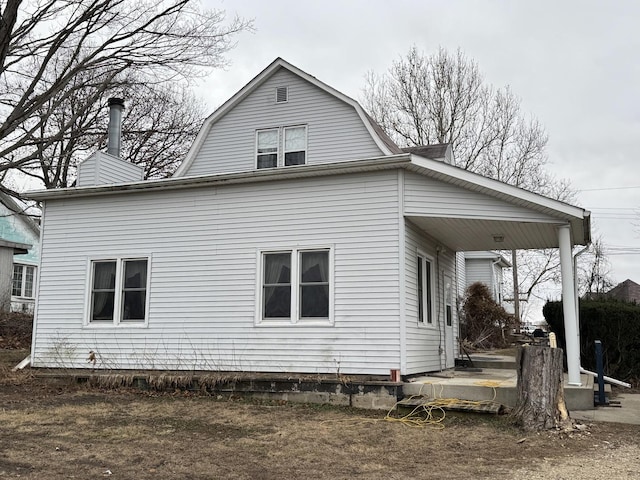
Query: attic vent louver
x=282, y=94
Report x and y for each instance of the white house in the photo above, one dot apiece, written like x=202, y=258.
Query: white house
x=487, y=267
x=19, y=256
x=295, y=237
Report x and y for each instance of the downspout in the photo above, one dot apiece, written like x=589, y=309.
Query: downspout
x=442, y=350
x=495, y=280
x=575, y=280
x=402, y=273
x=575, y=289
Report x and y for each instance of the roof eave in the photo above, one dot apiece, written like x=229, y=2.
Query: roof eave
x=252, y=176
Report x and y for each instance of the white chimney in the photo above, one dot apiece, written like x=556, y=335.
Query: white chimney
x=116, y=106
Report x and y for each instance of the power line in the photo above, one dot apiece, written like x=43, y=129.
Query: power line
x=609, y=188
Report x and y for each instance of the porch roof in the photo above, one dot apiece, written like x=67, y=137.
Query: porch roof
x=526, y=221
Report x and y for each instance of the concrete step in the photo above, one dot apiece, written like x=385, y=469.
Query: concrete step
x=497, y=385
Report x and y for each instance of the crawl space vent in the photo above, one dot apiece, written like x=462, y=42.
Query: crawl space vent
x=282, y=94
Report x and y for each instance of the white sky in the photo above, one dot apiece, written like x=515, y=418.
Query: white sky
x=574, y=64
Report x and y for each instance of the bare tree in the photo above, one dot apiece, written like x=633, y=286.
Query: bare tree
x=53, y=52
x=443, y=98
x=594, y=270
x=160, y=122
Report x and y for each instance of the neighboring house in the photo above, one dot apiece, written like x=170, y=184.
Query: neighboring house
x=19, y=255
x=627, y=291
x=487, y=267
x=295, y=237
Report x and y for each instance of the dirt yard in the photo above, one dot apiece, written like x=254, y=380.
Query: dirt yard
x=58, y=430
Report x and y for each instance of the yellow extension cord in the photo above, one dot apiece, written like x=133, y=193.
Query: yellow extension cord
x=431, y=413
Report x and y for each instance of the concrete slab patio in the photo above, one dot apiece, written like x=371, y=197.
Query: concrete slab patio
x=493, y=378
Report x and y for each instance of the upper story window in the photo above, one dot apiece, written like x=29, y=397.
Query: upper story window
x=267, y=148
x=118, y=290
x=282, y=146
x=295, y=145
x=23, y=281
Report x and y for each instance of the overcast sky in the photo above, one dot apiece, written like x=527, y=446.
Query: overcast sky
x=574, y=64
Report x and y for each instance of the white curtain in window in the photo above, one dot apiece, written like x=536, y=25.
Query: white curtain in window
x=315, y=266
x=268, y=141
x=104, y=280
x=294, y=139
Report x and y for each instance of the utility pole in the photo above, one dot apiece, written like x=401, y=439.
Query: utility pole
x=516, y=291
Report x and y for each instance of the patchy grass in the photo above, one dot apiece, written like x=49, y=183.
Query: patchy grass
x=59, y=430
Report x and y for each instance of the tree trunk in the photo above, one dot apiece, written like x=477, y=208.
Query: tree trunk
x=541, y=402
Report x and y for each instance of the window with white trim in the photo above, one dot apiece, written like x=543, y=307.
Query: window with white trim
x=425, y=288
x=118, y=290
x=296, y=285
x=267, y=142
x=295, y=145
x=281, y=147
x=23, y=281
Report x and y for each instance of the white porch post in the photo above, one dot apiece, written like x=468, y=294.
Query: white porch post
x=569, y=305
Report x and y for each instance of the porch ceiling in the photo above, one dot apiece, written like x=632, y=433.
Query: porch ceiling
x=465, y=234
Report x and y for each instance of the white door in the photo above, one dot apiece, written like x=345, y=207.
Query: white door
x=449, y=340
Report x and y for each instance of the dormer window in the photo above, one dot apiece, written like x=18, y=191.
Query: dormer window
x=267, y=148
x=291, y=141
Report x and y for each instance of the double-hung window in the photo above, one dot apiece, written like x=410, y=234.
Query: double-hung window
x=23, y=281
x=296, y=286
x=295, y=145
x=281, y=146
x=267, y=142
x=425, y=289
x=118, y=291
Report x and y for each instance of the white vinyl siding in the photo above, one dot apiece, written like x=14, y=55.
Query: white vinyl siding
x=428, y=197
x=479, y=270
x=103, y=169
x=335, y=131
x=202, y=294
x=424, y=341
x=485, y=270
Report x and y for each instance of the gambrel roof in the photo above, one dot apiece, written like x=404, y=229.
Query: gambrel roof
x=381, y=139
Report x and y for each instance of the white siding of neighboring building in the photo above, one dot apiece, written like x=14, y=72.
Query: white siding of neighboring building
x=103, y=169
x=426, y=196
x=14, y=228
x=424, y=341
x=480, y=270
x=204, y=246
x=335, y=132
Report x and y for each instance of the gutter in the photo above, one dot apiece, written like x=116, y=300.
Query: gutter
x=253, y=176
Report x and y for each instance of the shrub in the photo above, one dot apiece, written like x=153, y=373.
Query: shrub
x=15, y=330
x=484, y=323
x=616, y=324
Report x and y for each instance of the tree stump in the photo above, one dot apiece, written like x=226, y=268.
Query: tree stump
x=541, y=402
